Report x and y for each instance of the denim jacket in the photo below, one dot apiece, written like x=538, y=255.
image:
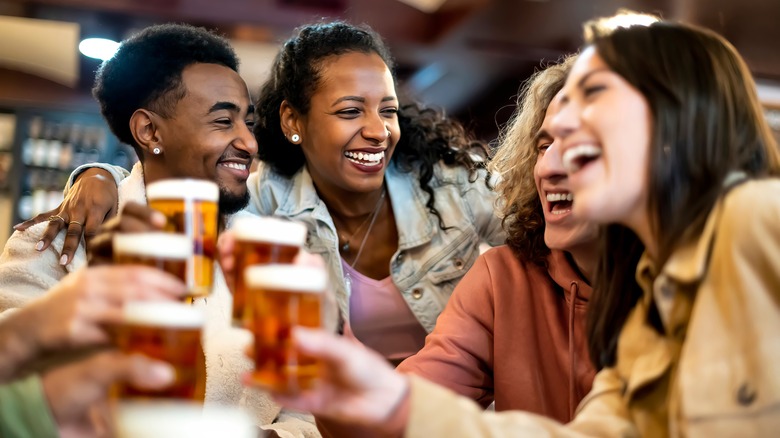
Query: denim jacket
x=429, y=261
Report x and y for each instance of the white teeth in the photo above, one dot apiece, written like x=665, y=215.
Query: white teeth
x=571, y=158
x=237, y=166
x=364, y=158
x=365, y=163
x=556, y=197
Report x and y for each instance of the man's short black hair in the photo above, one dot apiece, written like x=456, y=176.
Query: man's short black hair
x=146, y=72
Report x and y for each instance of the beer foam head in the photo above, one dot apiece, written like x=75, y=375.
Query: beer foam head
x=171, y=419
x=286, y=277
x=269, y=229
x=158, y=245
x=169, y=314
x=195, y=189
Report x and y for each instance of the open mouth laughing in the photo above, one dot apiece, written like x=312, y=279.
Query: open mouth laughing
x=577, y=157
x=232, y=165
x=364, y=158
x=236, y=166
x=559, y=203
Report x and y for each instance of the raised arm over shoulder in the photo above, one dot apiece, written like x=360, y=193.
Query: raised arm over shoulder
x=90, y=198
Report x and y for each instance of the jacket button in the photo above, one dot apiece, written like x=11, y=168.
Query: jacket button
x=399, y=258
x=417, y=293
x=746, y=394
x=667, y=291
x=458, y=262
x=680, y=331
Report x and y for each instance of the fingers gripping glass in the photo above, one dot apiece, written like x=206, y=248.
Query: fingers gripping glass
x=260, y=241
x=280, y=298
x=190, y=207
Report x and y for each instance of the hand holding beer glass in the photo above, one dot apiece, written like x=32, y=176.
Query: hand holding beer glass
x=168, y=331
x=260, y=241
x=165, y=251
x=191, y=208
x=282, y=297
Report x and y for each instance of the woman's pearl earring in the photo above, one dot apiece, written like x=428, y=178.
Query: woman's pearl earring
x=156, y=151
x=295, y=138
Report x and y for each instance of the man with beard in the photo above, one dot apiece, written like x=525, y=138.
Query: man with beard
x=172, y=92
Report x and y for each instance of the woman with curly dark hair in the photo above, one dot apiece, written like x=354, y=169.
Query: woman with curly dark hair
x=395, y=196
x=513, y=332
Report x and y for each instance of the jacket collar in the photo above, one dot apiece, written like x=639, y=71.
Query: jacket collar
x=299, y=196
x=415, y=226
x=300, y=193
x=132, y=188
x=688, y=264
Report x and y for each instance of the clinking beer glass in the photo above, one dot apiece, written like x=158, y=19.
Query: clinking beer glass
x=166, y=251
x=167, y=331
x=260, y=241
x=191, y=208
x=282, y=297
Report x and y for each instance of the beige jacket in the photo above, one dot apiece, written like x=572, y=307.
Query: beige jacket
x=714, y=372
x=26, y=274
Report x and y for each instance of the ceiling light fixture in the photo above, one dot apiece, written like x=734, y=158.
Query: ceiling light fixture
x=624, y=19
x=98, y=48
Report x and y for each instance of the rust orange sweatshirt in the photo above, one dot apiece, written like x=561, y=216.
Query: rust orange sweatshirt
x=513, y=332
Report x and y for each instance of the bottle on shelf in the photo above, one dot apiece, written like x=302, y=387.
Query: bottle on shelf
x=24, y=207
x=77, y=143
x=66, y=154
x=56, y=142
x=29, y=143
x=54, y=147
x=92, y=146
x=121, y=157
x=41, y=146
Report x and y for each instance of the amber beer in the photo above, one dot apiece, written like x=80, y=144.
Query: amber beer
x=282, y=297
x=260, y=241
x=190, y=206
x=168, y=331
x=167, y=251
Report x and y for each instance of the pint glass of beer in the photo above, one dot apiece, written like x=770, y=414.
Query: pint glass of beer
x=167, y=251
x=168, y=331
x=190, y=206
x=260, y=241
x=281, y=297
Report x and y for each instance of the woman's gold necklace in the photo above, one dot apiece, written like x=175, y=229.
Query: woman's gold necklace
x=345, y=247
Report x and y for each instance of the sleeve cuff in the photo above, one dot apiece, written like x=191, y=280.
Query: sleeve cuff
x=24, y=411
x=119, y=173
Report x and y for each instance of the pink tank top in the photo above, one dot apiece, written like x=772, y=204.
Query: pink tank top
x=380, y=318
